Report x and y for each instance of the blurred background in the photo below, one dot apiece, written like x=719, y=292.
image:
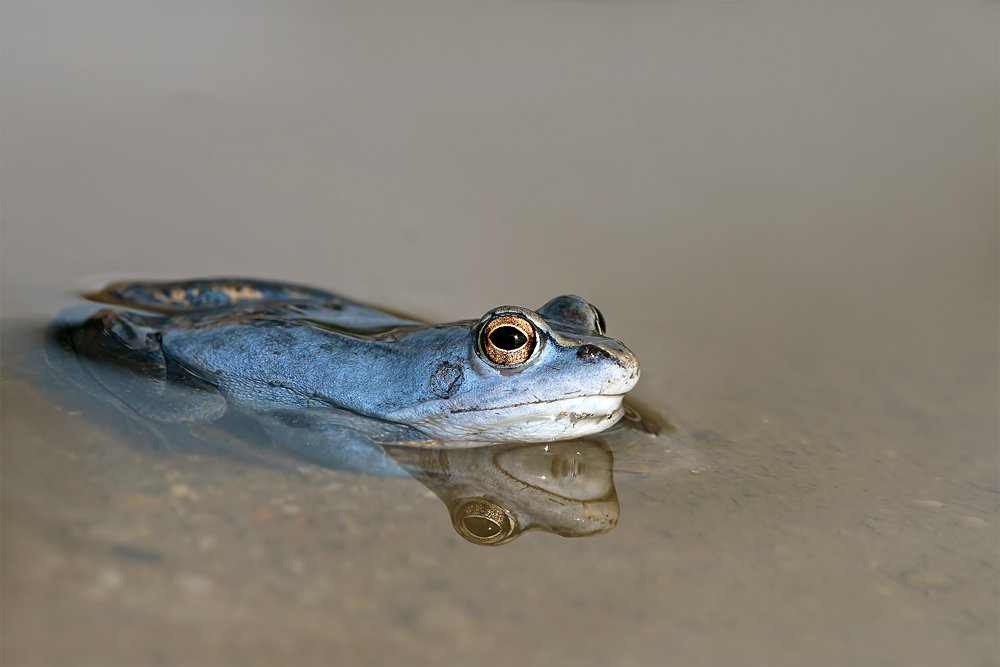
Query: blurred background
x=788, y=211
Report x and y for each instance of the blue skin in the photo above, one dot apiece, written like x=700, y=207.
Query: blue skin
x=323, y=366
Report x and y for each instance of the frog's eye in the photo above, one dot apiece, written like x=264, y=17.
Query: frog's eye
x=483, y=522
x=572, y=311
x=507, y=340
x=602, y=326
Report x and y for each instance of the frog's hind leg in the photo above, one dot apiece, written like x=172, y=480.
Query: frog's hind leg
x=210, y=293
x=197, y=302
x=161, y=404
x=124, y=365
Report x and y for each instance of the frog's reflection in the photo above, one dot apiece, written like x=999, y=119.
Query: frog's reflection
x=495, y=493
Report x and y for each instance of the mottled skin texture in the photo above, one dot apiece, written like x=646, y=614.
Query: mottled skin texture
x=271, y=346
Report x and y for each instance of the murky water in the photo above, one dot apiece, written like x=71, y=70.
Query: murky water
x=788, y=212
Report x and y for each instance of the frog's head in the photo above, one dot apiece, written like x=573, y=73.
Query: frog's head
x=527, y=376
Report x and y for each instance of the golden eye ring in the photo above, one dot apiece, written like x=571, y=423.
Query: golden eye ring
x=507, y=340
x=483, y=522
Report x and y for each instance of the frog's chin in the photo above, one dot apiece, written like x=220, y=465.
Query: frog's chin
x=541, y=421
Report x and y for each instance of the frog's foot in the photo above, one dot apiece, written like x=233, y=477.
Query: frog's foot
x=643, y=418
x=113, y=356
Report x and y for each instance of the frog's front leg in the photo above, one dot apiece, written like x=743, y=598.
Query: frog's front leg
x=124, y=362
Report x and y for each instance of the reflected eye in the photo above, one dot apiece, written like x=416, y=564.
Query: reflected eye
x=507, y=340
x=483, y=522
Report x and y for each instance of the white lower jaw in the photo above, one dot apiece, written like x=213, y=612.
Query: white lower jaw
x=535, y=422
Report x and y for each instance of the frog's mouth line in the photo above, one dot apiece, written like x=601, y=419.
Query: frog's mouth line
x=529, y=421
x=518, y=405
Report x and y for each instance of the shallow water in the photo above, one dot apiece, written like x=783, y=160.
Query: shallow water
x=788, y=212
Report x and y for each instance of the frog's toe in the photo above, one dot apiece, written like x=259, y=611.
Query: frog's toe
x=643, y=418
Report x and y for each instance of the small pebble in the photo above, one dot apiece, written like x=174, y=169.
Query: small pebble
x=139, y=501
x=971, y=522
x=262, y=514
x=108, y=581
x=933, y=579
x=110, y=578
x=182, y=491
x=194, y=583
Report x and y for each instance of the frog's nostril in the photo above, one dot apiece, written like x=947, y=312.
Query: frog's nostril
x=591, y=353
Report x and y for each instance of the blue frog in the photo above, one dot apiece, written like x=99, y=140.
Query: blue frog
x=515, y=375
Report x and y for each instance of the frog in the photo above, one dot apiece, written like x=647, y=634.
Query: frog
x=513, y=375
x=499, y=416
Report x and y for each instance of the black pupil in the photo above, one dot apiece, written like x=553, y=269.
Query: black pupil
x=508, y=338
x=481, y=527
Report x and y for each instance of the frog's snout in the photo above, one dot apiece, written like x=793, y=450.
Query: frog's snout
x=614, y=362
x=591, y=353
x=622, y=359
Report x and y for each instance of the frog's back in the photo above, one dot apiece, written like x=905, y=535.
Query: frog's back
x=209, y=293
x=209, y=300
x=264, y=344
